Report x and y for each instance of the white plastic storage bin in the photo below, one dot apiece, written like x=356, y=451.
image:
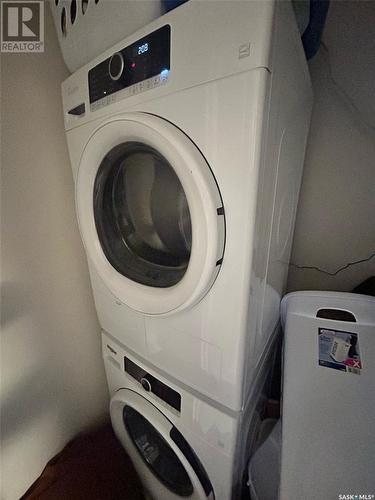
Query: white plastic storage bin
x=328, y=407
x=86, y=28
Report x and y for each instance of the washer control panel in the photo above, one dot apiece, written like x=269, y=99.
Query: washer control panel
x=152, y=384
x=146, y=60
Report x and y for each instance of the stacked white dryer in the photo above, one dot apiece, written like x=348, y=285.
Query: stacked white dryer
x=187, y=142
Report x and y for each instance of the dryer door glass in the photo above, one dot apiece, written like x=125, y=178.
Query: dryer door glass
x=142, y=215
x=157, y=453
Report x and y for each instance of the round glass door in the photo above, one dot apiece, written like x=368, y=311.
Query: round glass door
x=157, y=454
x=142, y=216
x=150, y=213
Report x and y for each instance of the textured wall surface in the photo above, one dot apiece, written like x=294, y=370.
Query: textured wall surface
x=335, y=222
x=52, y=376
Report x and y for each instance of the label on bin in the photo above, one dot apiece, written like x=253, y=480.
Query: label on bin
x=339, y=350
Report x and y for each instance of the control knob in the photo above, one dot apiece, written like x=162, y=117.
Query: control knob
x=116, y=66
x=145, y=384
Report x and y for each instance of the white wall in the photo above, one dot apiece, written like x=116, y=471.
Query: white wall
x=52, y=377
x=336, y=215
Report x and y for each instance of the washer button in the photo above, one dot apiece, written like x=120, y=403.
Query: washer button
x=146, y=384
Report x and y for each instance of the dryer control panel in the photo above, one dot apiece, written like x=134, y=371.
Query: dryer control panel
x=143, y=65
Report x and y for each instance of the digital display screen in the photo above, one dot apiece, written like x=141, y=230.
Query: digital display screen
x=144, y=59
x=143, y=48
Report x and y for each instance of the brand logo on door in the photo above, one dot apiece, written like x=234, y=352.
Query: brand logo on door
x=22, y=26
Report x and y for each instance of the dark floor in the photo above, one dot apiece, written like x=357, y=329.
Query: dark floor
x=93, y=466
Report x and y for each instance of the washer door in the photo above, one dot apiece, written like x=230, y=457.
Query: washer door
x=150, y=213
x=164, y=460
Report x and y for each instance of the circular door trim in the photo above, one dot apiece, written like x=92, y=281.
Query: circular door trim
x=127, y=397
x=204, y=201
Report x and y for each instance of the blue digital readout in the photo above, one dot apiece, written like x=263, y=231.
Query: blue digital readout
x=142, y=49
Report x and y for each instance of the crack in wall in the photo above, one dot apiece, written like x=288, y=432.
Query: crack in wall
x=339, y=270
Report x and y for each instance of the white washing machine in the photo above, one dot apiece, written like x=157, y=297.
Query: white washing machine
x=181, y=444
x=187, y=142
